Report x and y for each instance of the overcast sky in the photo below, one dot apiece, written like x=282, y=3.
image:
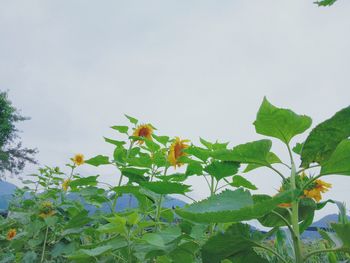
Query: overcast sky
x=191, y=68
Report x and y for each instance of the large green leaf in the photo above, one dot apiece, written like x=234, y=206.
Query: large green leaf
x=134, y=174
x=324, y=138
x=280, y=123
x=256, y=152
x=238, y=181
x=343, y=233
x=234, y=243
x=222, y=169
x=339, y=162
x=231, y=206
x=166, y=187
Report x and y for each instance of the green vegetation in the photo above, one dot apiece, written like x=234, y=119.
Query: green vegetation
x=45, y=225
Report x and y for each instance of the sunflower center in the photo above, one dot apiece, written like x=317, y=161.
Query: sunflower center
x=143, y=132
x=178, y=150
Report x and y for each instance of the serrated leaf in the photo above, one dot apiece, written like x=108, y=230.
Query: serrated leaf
x=166, y=187
x=239, y=181
x=200, y=153
x=194, y=168
x=98, y=160
x=121, y=129
x=207, y=144
x=231, y=206
x=325, y=137
x=222, y=169
x=256, y=152
x=271, y=159
x=280, y=123
x=131, y=119
x=339, y=162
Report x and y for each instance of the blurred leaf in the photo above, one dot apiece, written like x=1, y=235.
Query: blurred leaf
x=194, y=168
x=161, y=139
x=153, y=239
x=90, y=180
x=98, y=160
x=114, y=142
x=131, y=119
x=280, y=123
x=87, y=253
x=121, y=129
x=325, y=137
x=198, y=152
x=325, y=2
x=271, y=159
x=135, y=175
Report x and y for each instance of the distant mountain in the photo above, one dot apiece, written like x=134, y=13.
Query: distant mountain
x=124, y=202
x=6, y=188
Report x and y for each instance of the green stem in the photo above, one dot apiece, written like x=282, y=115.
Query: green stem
x=295, y=213
x=159, y=208
x=44, y=245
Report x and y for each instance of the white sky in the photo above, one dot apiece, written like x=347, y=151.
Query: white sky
x=191, y=68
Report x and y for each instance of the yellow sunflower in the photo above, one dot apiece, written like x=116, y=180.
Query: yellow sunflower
x=176, y=151
x=78, y=159
x=315, y=192
x=144, y=130
x=65, y=184
x=11, y=234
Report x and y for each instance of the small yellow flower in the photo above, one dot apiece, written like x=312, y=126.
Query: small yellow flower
x=315, y=192
x=78, y=159
x=46, y=209
x=65, y=184
x=176, y=151
x=144, y=130
x=11, y=234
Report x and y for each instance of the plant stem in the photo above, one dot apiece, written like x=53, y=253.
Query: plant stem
x=159, y=208
x=295, y=213
x=44, y=245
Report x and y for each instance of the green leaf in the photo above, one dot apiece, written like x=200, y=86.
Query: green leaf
x=324, y=138
x=87, y=253
x=222, y=169
x=84, y=181
x=121, y=129
x=339, y=162
x=151, y=145
x=200, y=153
x=135, y=175
x=166, y=187
x=257, y=152
x=98, y=160
x=231, y=206
x=298, y=148
x=271, y=158
x=325, y=2
x=114, y=142
x=241, y=181
x=194, y=168
x=280, y=123
x=161, y=139
x=236, y=242
x=131, y=119
x=153, y=239
x=207, y=144
x=343, y=233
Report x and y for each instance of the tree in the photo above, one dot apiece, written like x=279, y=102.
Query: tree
x=13, y=156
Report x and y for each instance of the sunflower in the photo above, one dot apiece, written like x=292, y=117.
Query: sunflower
x=46, y=209
x=319, y=187
x=65, y=184
x=11, y=234
x=176, y=151
x=144, y=130
x=78, y=159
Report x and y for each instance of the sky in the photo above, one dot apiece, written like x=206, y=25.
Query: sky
x=191, y=68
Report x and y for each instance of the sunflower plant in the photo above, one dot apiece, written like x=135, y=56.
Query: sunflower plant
x=62, y=216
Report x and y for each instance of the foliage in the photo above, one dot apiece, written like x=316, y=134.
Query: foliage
x=12, y=155
x=66, y=217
